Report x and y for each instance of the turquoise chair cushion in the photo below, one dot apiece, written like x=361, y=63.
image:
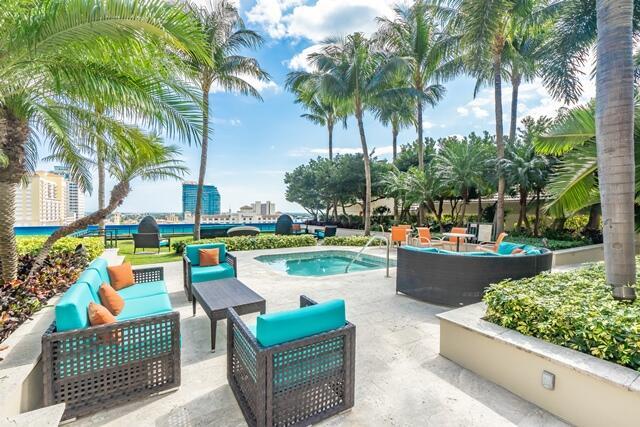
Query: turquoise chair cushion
x=142, y=290
x=506, y=248
x=100, y=265
x=164, y=243
x=213, y=272
x=143, y=307
x=194, y=255
x=71, y=310
x=277, y=328
x=92, y=279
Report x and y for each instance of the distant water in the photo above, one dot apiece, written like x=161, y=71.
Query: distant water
x=133, y=228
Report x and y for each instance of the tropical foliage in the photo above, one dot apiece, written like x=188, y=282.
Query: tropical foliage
x=248, y=243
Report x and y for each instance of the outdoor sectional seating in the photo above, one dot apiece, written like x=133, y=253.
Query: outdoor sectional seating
x=453, y=278
x=194, y=273
x=91, y=368
x=292, y=368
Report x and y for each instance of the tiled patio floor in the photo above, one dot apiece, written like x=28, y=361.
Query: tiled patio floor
x=400, y=378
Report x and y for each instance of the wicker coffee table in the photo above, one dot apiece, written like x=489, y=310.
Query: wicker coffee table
x=216, y=296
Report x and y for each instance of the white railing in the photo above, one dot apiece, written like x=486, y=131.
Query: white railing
x=384, y=239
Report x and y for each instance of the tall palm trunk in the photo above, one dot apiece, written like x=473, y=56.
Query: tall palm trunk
x=14, y=133
x=522, y=217
x=515, y=86
x=479, y=207
x=594, y=218
x=100, y=154
x=536, y=224
x=118, y=193
x=367, y=171
x=614, y=137
x=420, y=156
x=330, y=130
x=394, y=137
x=497, y=65
x=465, y=201
x=203, y=159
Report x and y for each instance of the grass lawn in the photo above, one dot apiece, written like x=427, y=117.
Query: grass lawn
x=150, y=256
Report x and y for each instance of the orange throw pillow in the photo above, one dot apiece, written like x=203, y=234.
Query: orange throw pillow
x=517, y=251
x=99, y=315
x=121, y=276
x=209, y=257
x=111, y=299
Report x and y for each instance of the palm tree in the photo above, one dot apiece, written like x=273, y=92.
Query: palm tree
x=148, y=160
x=526, y=170
x=460, y=164
x=226, y=36
x=425, y=186
x=350, y=70
x=57, y=63
x=322, y=110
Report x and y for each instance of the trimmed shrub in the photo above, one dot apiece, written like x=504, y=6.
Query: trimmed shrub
x=574, y=309
x=551, y=244
x=250, y=243
x=31, y=245
x=350, y=241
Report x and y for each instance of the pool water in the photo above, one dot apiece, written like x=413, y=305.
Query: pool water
x=322, y=263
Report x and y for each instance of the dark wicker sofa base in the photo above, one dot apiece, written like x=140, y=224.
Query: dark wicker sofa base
x=455, y=280
x=291, y=384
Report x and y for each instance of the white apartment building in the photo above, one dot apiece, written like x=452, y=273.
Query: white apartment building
x=74, y=200
x=42, y=201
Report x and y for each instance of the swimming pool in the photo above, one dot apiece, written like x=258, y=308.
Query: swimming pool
x=322, y=263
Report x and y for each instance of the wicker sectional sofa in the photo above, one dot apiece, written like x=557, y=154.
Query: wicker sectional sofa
x=93, y=368
x=194, y=273
x=292, y=368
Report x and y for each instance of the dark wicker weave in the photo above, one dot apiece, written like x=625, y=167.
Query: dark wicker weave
x=148, y=235
x=291, y=384
x=104, y=366
x=284, y=225
x=186, y=271
x=455, y=280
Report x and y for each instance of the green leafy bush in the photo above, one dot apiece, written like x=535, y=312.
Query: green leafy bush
x=551, y=244
x=31, y=245
x=350, y=241
x=574, y=310
x=248, y=243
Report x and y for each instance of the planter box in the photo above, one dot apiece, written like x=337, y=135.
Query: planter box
x=587, y=391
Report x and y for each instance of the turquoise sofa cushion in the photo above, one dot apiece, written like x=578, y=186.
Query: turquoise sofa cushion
x=213, y=272
x=143, y=307
x=92, y=279
x=100, y=265
x=142, y=290
x=194, y=255
x=277, y=328
x=71, y=310
x=506, y=248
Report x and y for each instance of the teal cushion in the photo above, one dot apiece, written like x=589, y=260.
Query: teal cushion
x=100, y=265
x=277, y=328
x=506, y=248
x=194, y=255
x=142, y=290
x=143, y=307
x=480, y=253
x=164, y=243
x=93, y=280
x=71, y=310
x=213, y=272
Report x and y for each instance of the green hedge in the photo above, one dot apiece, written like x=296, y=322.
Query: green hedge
x=350, y=241
x=551, y=244
x=247, y=243
x=31, y=245
x=574, y=310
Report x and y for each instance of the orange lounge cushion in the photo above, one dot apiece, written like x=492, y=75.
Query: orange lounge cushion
x=99, y=315
x=209, y=257
x=121, y=276
x=111, y=299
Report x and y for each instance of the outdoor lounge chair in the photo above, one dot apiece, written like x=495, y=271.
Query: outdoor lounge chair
x=492, y=246
x=148, y=236
x=329, y=231
x=243, y=230
x=453, y=241
x=91, y=368
x=425, y=239
x=294, y=367
x=400, y=234
x=284, y=225
x=193, y=272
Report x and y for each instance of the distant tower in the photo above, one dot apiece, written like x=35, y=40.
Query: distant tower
x=210, y=199
x=74, y=197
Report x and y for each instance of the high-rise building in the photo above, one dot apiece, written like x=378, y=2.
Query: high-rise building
x=42, y=201
x=267, y=208
x=74, y=200
x=210, y=199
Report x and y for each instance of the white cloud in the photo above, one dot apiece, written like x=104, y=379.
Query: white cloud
x=300, y=61
x=426, y=124
x=318, y=21
x=230, y=122
x=260, y=85
x=462, y=111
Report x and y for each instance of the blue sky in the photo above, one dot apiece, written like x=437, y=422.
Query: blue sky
x=254, y=143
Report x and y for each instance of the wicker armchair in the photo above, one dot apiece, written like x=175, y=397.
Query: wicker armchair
x=295, y=383
x=186, y=271
x=99, y=367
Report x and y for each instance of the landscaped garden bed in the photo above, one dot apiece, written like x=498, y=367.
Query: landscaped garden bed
x=249, y=243
x=19, y=300
x=350, y=241
x=574, y=309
